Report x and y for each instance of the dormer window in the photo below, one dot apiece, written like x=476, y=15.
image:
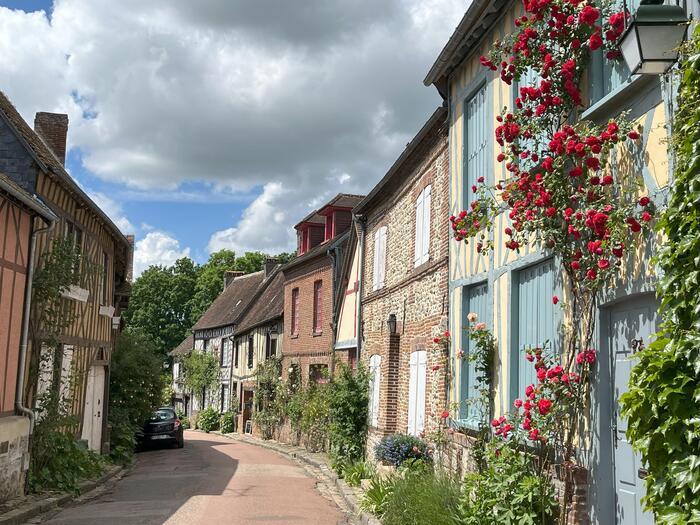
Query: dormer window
x=330, y=226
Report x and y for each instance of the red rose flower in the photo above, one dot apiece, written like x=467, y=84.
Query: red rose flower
x=544, y=405
x=644, y=201
x=445, y=414
x=555, y=299
x=595, y=42
x=646, y=216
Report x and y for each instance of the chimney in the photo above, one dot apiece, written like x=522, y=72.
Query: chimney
x=53, y=128
x=229, y=276
x=270, y=265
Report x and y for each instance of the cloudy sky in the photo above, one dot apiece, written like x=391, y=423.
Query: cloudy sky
x=199, y=125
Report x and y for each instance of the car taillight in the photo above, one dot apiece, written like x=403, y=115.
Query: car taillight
x=177, y=423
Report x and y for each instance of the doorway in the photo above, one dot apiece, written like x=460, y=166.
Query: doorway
x=94, y=409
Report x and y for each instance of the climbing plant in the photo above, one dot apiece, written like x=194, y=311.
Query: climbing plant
x=663, y=402
x=561, y=193
x=200, y=371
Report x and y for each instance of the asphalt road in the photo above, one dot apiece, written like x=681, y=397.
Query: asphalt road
x=212, y=480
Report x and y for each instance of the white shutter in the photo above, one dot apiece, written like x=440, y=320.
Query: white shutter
x=382, y=256
x=425, y=248
x=375, y=378
x=412, y=390
x=417, y=257
x=420, y=391
x=375, y=265
x=66, y=369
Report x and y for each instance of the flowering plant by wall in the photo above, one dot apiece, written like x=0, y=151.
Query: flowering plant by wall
x=565, y=192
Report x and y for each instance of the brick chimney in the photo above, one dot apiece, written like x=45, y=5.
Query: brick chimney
x=229, y=276
x=53, y=128
x=270, y=265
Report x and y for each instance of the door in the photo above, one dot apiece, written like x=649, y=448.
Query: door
x=92, y=416
x=375, y=374
x=416, y=392
x=630, y=324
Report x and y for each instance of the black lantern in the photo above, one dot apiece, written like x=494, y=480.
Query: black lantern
x=651, y=41
x=391, y=323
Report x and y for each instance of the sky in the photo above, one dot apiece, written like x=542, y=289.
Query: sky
x=219, y=124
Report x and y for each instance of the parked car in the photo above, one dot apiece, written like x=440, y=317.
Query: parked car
x=162, y=427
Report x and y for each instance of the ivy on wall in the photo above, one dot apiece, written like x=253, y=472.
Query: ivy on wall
x=663, y=403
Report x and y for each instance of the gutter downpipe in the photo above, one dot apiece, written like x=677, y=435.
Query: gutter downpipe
x=24, y=337
x=360, y=226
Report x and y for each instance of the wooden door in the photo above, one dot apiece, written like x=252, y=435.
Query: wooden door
x=630, y=324
x=93, y=414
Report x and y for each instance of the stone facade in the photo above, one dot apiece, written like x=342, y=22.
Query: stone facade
x=415, y=293
x=14, y=456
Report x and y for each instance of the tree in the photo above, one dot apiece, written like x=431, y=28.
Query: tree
x=200, y=371
x=210, y=282
x=251, y=262
x=285, y=257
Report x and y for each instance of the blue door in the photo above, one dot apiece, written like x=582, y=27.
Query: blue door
x=630, y=324
x=474, y=300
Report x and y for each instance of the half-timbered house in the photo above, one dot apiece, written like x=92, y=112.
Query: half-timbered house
x=34, y=160
x=23, y=218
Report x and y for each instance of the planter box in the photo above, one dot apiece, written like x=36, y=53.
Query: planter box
x=76, y=293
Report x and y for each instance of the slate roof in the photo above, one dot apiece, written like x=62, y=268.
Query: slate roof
x=343, y=200
x=232, y=302
x=48, y=162
x=27, y=199
x=185, y=347
x=267, y=306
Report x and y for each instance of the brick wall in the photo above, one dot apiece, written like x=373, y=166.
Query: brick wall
x=308, y=347
x=416, y=295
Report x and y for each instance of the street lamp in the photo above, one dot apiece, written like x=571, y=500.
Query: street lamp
x=651, y=41
x=391, y=323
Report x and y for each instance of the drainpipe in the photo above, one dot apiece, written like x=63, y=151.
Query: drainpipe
x=360, y=226
x=19, y=389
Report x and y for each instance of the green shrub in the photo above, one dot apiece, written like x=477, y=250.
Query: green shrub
x=316, y=416
x=227, y=422
x=377, y=495
x=349, y=412
x=423, y=497
x=354, y=473
x=507, y=491
x=208, y=419
x=185, y=422
x=399, y=448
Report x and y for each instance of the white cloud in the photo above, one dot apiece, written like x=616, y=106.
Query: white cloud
x=113, y=210
x=157, y=247
x=304, y=99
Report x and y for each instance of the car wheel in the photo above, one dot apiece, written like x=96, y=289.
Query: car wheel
x=181, y=442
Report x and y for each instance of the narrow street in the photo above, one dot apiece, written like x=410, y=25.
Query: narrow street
x=212, y=480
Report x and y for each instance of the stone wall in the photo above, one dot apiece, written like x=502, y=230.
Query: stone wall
x=14, y=456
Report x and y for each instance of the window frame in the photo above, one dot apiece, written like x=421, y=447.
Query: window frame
x=318, y=307
x=423, y=220
x=294, y=328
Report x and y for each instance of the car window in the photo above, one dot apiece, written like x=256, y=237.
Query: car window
x=162, y=415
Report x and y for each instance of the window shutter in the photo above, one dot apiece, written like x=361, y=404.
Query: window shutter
x=412, y=393
x=375, y=378
x=382, y=256
x=418, y=249
x=420, y=393
x=425, y=249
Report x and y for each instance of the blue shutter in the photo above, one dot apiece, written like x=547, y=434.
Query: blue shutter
x=476, y=161
x=474, y=299
x=537, y=318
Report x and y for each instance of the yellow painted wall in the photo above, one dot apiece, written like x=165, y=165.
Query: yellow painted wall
x=347, y=325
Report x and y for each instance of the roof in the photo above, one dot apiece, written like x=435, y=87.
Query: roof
x=185, y=347
x=342, y=200
x=474, y=24
x=232, y=302
x=317, y=251
x=313, y=218
x=436, y=120
x=267, y=306
x=48, y=162
x=29, y=200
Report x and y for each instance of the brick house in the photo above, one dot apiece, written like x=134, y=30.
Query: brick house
x=22, y=219
x=310, y=281
x=258, y=336
x=400, y=273
x=34, y=160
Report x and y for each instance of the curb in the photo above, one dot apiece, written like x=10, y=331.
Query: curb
x=34, y=508
x=347, y=493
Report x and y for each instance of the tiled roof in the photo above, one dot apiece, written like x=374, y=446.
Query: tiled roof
x=28, y=199
x=48, y=161
x=267, y=306
x=232, y=302
x=344, y=200
x=185, y=347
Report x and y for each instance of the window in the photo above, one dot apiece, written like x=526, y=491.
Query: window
x=318, y=307
x=271, y=345
x=236, y=352
x=422, y=244
x=250, y=352
x=474, y=300
x=75, y=235
x=105, y=279
x=375, y=363
x=416, y=392
x=224, y=398
x=295, y=311
x=379, y=267
x=476, y=139
x=226, y=345
x=330, y=229
x=536, y=320
x=206, y=345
